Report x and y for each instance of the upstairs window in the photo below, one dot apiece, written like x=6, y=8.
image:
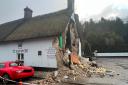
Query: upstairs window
x=19, y=45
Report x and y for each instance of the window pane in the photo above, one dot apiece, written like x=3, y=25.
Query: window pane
x=1, y=65
x=20, y=44
x=39, y=53
x=22, y=56
x=18, y=56
x=13, y=64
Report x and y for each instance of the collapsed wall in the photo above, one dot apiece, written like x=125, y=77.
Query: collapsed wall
x=75, y=69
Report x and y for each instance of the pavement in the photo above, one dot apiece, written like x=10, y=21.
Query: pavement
x=119, y=75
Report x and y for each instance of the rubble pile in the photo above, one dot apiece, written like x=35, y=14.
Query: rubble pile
x=79, y=68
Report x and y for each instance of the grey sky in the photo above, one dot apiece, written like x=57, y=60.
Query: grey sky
x=13, y=9
x=101, y=8
x=111, y=12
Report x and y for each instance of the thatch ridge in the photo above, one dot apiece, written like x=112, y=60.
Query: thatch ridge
x=39, y=26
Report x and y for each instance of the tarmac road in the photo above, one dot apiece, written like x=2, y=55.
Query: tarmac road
x=119, y=68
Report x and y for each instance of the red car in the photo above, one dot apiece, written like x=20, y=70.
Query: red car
x=11, y=70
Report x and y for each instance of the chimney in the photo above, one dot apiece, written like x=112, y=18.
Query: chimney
x=70, y=5
x=27, y=13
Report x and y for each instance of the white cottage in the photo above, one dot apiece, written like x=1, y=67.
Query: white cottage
x=31, y=39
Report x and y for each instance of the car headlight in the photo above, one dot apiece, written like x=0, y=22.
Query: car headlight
x=19, y=71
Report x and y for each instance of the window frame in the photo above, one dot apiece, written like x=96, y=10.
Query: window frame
x=39, y=53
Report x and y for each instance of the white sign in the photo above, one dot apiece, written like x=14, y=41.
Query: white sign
x=51, y=53
x=20, y=51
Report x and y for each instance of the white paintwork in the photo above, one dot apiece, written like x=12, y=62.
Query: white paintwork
x=113, y=54
x=79, y=48
x=31, y=58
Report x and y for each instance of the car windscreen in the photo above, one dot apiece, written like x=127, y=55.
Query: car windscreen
x=13, y=64
x=2, y=65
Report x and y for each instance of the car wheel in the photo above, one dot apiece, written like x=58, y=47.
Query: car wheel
x=6, y=76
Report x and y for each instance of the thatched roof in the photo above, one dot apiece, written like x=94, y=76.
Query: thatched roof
x=40, y=26
x=7, y=28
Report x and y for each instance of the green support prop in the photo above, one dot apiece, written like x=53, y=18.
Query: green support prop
x=60, y=40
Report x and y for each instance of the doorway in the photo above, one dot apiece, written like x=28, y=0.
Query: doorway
x=20, y=57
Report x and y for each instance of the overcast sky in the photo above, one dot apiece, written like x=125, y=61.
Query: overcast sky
x=102, y=8
x=13, y=9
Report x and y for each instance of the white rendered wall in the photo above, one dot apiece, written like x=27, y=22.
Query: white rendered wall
x=30, y=49
x=113, y=54
x=6, y=52
x=79, y=48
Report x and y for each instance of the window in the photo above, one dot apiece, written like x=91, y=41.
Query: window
x=39, y=53
x=22, y=56
x=1, y=65
x=13, y=64
x=18, y=56
x=20, y=45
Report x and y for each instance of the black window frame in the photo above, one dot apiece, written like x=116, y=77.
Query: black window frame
x=39, y=53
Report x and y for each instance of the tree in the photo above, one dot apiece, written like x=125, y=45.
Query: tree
x=106, y=35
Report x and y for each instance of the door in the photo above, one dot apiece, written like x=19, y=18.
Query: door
x=2, y=66
x=21, y=58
